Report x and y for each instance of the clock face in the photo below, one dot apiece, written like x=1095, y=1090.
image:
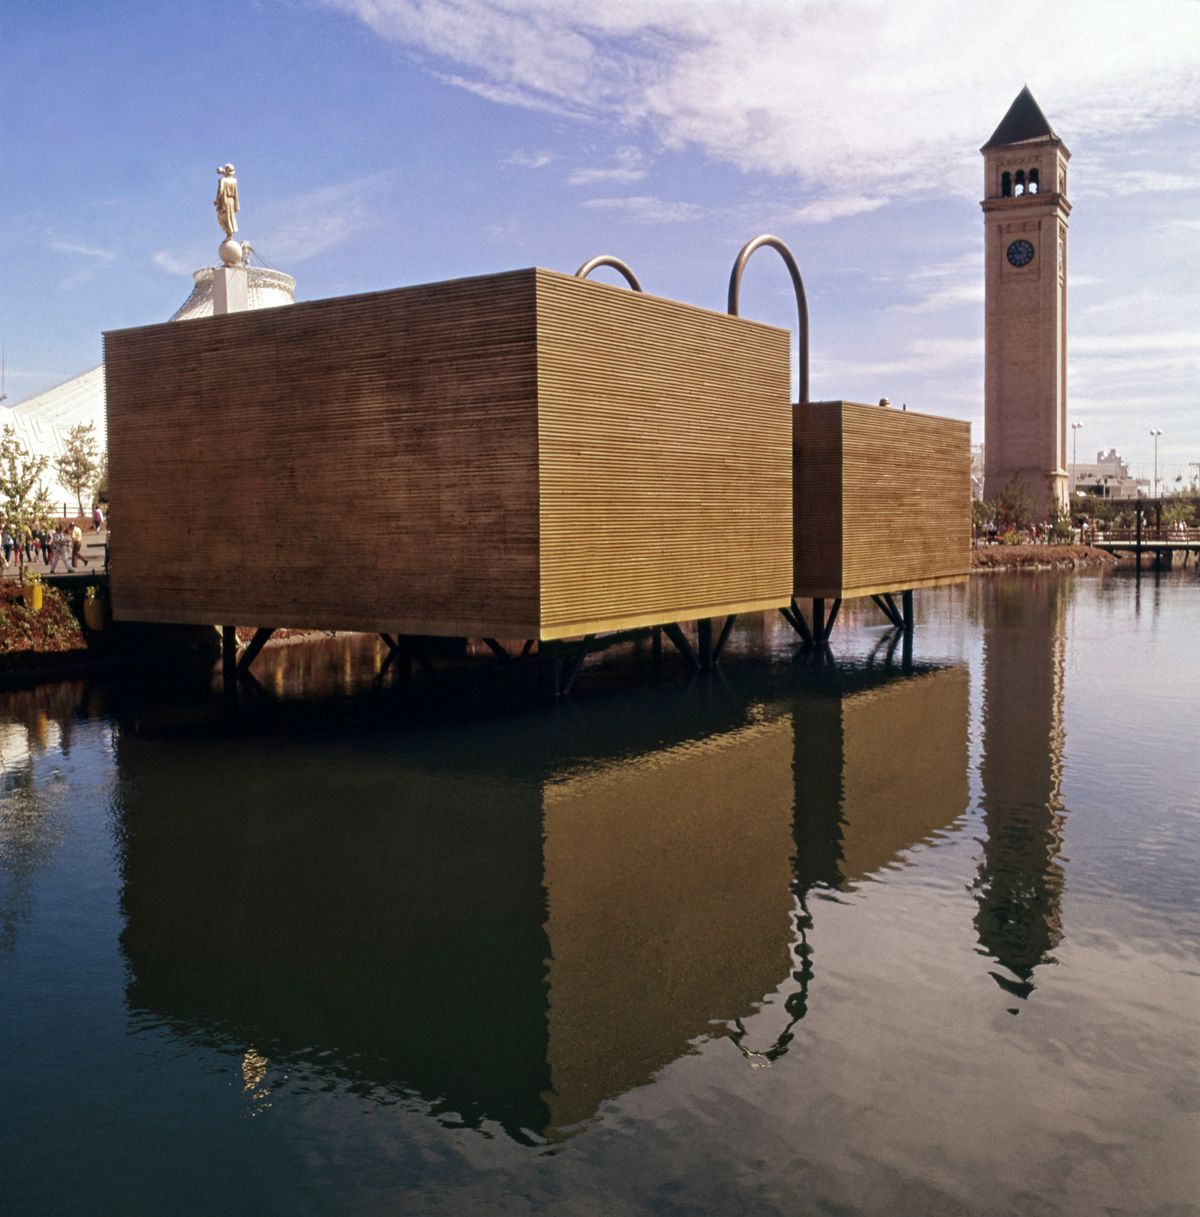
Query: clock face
x=1020, y=253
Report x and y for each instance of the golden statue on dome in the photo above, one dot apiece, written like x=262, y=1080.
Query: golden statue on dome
x=226, y=201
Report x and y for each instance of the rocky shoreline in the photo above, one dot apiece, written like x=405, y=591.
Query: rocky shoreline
x=1039, y=557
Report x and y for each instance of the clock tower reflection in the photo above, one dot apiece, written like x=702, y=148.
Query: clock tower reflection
x=1019, y=886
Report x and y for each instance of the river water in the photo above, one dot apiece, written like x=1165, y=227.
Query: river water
x=905, y=932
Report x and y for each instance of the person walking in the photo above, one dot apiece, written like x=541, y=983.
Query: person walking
x=97, y=518
x=77, y=547
x=58, y=550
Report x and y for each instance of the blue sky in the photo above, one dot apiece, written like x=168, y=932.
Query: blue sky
x=385, y=142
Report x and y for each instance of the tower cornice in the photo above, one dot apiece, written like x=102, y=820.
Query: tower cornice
x=1026, y=204
x=1013, y=151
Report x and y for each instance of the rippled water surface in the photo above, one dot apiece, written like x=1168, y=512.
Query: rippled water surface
x=908, y=932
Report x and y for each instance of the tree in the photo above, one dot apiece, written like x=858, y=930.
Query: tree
x=1096, y=507
x=21, y=486
x=1062, y=527
x=1179, y=509
x=100, y=494
x=79, y=465
x=982, y=514
x=1014, y=507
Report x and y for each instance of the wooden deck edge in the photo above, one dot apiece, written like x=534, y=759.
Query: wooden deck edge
x=577, y=629
x=480, y=629
x=437, y=629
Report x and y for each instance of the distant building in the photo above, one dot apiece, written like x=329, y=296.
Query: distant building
x=1108, y=477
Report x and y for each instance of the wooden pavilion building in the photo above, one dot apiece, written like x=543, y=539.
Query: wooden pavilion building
x=525, y=455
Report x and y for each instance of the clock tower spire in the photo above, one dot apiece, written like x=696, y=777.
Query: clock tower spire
x=1025, y=212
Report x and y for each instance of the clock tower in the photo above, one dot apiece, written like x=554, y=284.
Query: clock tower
x=1025, y=212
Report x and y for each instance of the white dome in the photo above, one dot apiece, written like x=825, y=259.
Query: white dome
x=265, y=289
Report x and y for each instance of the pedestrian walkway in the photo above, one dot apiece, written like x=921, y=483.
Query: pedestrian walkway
x=94, y=546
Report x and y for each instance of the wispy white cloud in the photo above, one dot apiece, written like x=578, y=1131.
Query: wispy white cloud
x=927, y=357
x=836, y=207
x=943, y=285
x=1147, y=342
x=520, y=159
x=1137, y=306
x=173, y=265
x=627, y=167
x=509, y=95
x=99, y=253
x=617, y=177
x=966, y=292
x=1145, y=181
x=293, y=230
x=645, y=209
x=95, y=257
x=1136, y=372
x=893, y=104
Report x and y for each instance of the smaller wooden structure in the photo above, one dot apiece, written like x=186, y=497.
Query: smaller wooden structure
x=881, y=505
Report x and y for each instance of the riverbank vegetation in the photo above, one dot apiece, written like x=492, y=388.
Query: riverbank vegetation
x=27, y=636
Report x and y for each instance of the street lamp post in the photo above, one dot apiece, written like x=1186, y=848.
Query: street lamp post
x=1156, y=433
x=1074, y=444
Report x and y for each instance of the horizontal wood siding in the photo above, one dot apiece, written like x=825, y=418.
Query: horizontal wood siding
x=817, y=499
x=883, y=499
x=906, y=499
x=365, y=462
x=665, y=473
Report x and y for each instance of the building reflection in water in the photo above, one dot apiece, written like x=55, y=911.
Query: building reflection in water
x=880, y=766
x=34, y=721
x=1019, y=886
x=518, y=919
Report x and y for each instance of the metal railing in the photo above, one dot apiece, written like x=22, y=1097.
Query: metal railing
x=1147, y=534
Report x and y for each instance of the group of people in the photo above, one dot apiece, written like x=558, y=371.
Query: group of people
x=24, y=543
x=1043, y=533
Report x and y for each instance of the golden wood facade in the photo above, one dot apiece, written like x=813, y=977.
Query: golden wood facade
x=881, y=500
x=519, y=455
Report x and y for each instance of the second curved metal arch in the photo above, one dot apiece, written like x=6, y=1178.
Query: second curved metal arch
x=735, y=284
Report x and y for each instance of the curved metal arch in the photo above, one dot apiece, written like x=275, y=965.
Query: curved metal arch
x=608, y=260
x=735, y=286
